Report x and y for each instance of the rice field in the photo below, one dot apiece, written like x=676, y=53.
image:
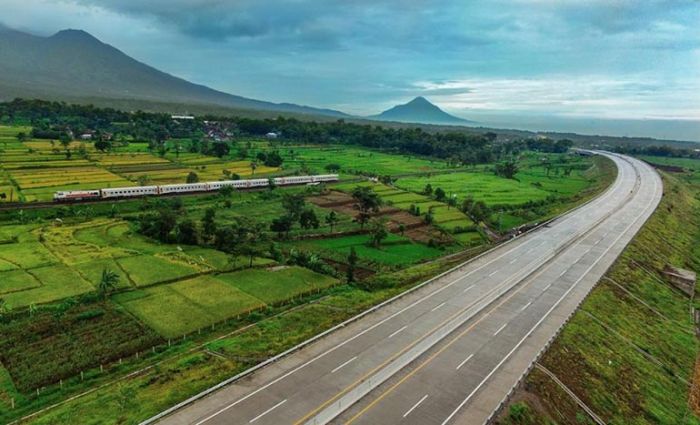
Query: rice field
x=34, y=169
x=351, y=159
x=188, y=305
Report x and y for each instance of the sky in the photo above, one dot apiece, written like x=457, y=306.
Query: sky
x=516, y=62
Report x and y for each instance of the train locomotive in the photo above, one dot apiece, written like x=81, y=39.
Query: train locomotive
x=138, y=191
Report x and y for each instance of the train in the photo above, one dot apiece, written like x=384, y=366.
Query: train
x=138, y=191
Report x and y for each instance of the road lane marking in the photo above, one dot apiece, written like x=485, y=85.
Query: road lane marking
x=454, y=412
x=438, y=306
x=468, y=288
x=268, y=411
x=562, y=273
x=500, y=329
x=546, y=287
x=397, y=331
x=493, y=272
x=414, y=371
x=526, y=306
x=535, y=237
x=464, y=361
x=408, y=412
x=343, y=365
x=513, y=260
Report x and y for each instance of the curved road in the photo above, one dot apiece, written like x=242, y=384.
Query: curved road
x=451, y=350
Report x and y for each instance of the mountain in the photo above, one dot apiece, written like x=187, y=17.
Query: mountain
x=419, y=110
x=73, y=64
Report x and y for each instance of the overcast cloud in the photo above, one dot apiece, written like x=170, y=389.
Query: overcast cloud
x=590, y=58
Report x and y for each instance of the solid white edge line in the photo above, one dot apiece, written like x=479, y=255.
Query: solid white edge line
x=268, y=411
x=408, y=412
x=535, y=238
x=545, y=316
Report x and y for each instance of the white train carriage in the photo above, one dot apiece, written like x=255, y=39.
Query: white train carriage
x=184, y=188
x=137, y=191
x=129, y=192
x=76, y=195
x=324, y=178
x=281, y=181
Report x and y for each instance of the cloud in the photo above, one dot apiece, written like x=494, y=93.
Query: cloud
x=599, y=57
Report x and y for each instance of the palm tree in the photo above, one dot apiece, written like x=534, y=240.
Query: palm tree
x=108, y=282
x=4, y=307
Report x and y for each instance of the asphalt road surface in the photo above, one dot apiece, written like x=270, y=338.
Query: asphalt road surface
x=450, y=351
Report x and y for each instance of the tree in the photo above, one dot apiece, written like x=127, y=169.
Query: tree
x=428, y=189
x=352, y=263
x=187, y=232
x=144, y=180
x=451, y=201
x=439, y=194
x=4, y=306
x=308, y=219
x=21, y=136
x=479, y=211
x=507, y=169
x=274, y=159
x=332, y=219
x=402, y=228
x=252, y=239
x=220, y=149
x=192, y=177
x=253, y=166
x=282, y=225
x=108, y=282
x=332, y=167
x=294, y=204
x=226, y=191
x=159, y=225
x=378, y=232
x=467, y=204
x=103, y=145
x=209, y=222
x=367, y=202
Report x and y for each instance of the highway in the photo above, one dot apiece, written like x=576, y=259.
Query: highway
x=450, y=350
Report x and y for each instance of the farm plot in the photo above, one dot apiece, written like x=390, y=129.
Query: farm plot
x=352, y=160
x=394, y=251
x=43, y=284
x=40, y=184
x=491, y=189
x=183, y=307
x=128, y=158
x=276, y=285
x=44, y=348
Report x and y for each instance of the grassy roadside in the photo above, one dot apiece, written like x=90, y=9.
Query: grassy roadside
x=629, y=353
x=188, y=368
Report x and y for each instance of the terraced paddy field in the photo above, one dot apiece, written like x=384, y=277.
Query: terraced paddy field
x=32, y=170
x=395, y=250
x=350, y=159
x=188, y=305
x=532, y=183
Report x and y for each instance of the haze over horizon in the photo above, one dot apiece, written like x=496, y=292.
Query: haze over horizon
x=607, y=67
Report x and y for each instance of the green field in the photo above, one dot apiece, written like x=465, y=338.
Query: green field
x=603, y=353
x=188, y=305
x=32, y=170
x=394, y=251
